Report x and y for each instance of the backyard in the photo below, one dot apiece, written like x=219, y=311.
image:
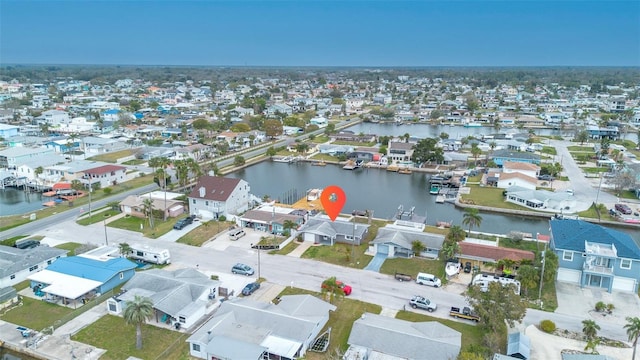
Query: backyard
x=35, y=313
x=204, y=232
x=488, y=196
x=132, y=223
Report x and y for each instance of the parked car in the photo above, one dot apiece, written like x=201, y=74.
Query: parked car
x=428, y=279
x=182, y=223
x=242, y=269
x=467, y=267
x=345, y=288
x=624, y=209
x=546, y=177
x=250, y=288
x=422, y=302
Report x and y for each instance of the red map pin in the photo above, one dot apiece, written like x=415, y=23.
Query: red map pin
x=333, y=199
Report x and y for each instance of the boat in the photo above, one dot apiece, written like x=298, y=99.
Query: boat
x=393, y=168
x=284, y=159
x=313, y=194
x=452, y=268
x=404, y=171
x=319, y=163
x=443, y=224
x=435, y=189
x=472, y=124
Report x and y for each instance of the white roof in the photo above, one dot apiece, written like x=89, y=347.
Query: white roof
x=67, y=286
x=281, y=346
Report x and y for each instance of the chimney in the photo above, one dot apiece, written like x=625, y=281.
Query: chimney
x=202, y=191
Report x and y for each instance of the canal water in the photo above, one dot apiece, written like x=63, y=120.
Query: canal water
x=12, y=355
x=14, y=201
x=373, y=189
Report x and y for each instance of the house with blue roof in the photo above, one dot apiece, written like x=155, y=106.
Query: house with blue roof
x=75, y=279
x=595, y=256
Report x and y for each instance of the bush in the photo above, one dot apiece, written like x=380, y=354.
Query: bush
x=600, y=306
x=547, y=326
x=215, y=277
x=222, y=218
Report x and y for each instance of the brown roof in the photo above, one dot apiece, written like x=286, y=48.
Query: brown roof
x=216, y=188
x=507, y=176
x=267, y=216
x=400, y=146
x=494, y=252
x=520, y=166
x=104, y=169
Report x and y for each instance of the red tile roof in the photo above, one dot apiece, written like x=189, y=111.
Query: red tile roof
x=494, y=252
x=215, y=188
x=104, y=169
x=61, y=186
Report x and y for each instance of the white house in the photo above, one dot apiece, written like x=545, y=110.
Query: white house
x=530, y=170
x=320, y=121
x=54, y=117
x=507, y=180
x=105, y=175
x=215, y=196
x=16, y=264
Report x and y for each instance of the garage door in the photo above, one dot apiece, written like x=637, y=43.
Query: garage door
x=309, y=237
x=383, y=249
x=624, y=284
x=569, y=275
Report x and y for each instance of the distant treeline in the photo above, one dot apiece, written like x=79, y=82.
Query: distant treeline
x=489, y=77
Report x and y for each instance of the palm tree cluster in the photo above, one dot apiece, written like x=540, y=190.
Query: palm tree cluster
x=451, y=244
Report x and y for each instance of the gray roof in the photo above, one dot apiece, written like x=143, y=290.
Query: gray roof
x=405, y=339
x=77, y=166
x=13, y=260
x=405, y=238
x=20, y=151
x=519, y=344
x=7, y=294
x=170, y=291
x=326, y=227
x=585, y=357
x=251, y=322
x=43, y=160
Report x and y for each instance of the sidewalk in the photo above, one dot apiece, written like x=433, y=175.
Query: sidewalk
x=297, y=252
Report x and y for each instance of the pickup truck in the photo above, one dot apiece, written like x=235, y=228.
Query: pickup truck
x=421, y=302
x=466, y=313
x=403, y=277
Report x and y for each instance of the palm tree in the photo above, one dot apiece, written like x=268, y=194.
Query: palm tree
x=528, y=276
x=590, y=329
x=147, y=205
x=332, y=288
x=137, y=312
x=633, y=331
x=456, y=233
x=417, y=247
x=475, y=152
x=287, y=225
x=125, y=249
x=471, y=218
x=37, y=172
x=449, y=250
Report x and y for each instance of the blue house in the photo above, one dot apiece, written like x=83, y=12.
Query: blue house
x=75, y=279
x=502, y=156
x=595, y=256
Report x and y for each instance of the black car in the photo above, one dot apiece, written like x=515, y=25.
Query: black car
x=180, y=224
x=467, y=267
x=250, y=288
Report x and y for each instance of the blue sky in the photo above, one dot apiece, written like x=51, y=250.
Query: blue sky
x=321, y=33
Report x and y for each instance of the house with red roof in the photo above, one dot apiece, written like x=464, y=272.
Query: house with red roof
x=215, y=196
x=105, y=176
x=482, y=254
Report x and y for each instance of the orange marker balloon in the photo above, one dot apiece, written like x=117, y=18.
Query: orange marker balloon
x=333, y=199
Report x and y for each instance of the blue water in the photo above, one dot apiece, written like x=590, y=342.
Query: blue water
x=13, y=201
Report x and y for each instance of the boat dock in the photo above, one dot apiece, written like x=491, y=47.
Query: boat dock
x=353, y=165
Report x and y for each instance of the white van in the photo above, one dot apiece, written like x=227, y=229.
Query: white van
x=428, y=279
x=236, y=234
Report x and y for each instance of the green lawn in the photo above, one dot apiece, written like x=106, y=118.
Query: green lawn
x=340, y=254
x=413, y=266
x=549, y=150
x=133, y=223
x=134, y=162
x=70, y=246
x=354, y=143
x=581, y=148
x=340, y=321
x=471, y=334
x=626, y=194
x=287, y=249
x=35, y=314
x=204, y=232
x=594, y=170
x=489, y=196
x=593, y=214
x=112, y=157
x=12, y=241
x=98, y=217
x=320, y=139
x=119, y=339
x=521, y=244
x=325, y=157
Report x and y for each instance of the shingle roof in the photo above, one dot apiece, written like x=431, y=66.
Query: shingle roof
x=13, y=260
x=405, y=238
x=215, y=188
x=494, y=252
x=105, y=169
x=520, y=166
x=571, y=234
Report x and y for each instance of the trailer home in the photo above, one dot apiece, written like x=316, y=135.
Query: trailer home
x=150, y=255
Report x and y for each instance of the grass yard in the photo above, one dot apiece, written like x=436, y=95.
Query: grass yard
x=119, y=339
x=521, y=244
x=413, y=266
x=471, y=334
x=98, y=217
x=581, y=148
x=204, y=232
x=340, y=321
x=112, y=157
x=134, y=162
x=133, y=223
x=354, y=143
x=340, y=254
x=594, y=170
x=320, y=139
x=325, y=157
x=549, y=150
x=35, y=314
x=593, y=214
x=625, y=194
x=488, y=196
x=12, y=241
x=285, y=250
x=70, y=246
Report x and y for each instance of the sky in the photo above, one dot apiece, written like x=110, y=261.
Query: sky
x=360, y=33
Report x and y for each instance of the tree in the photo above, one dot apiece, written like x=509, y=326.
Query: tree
x=147, y=206
x=590, y=329
x=449, y=250
x=456, y=234
x=633, y=332
x=125, y=249
x=240, y=127
x=332, y=288
x=444, y=135
x=605, y=143
x=582, y=136
x=302, y=148
x=426, y=150
x=330, y=129
x=287, y=225
x=529, y=277
x=471, y=218
x=272, y=128
x=492, y=318
x=417, y=247
x=271, y=151
x=37, y=172
x=137, y=312
x=238, y=160
x=475, y=152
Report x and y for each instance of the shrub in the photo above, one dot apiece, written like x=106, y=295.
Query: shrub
x=610, y=308
x=215, y=277
x=222, y=218
x=600, y=306
x=547, y=326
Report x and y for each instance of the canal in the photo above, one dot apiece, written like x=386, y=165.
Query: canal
x=14, y=201
x=373, y=189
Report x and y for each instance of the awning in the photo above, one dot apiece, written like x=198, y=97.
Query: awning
x=281, y=346
x=67, y=286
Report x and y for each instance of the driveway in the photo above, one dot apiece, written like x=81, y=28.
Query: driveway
x=376, y=263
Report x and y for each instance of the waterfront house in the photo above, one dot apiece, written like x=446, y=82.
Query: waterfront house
x=376, y=336
x=12, y=157
x=182, y=296
x=270, y=219
x=246, y=329
x=501, y=156
x=16, y=264
x=321, y=230
x=215, y=196
x=540, y=199
x=528, y=169
x=399, y=152
x=482, y=253
x=105, y=176
x=592, y=255
x=507, y=180
x=393, y=242
x=75, y=279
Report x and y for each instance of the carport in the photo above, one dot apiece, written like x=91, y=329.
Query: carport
x=57, y=286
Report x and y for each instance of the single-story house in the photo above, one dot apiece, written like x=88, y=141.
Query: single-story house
x=16, y=264
x=320, y=230
x=75, y=279
x=181, y=296
x=382, y=337
x=595, y=256
x=507, y=180
x=501, y=156
x=540, y=199
x=134, y=206
x=270, y=219
x=246, y=329
x=481, y=254
x=399, y=243
x=528, y=169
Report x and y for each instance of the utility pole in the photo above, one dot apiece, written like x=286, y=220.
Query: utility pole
x=90, y=189
x=597, y=196
x=106, y=239
x=544, y=255
x=353, y=239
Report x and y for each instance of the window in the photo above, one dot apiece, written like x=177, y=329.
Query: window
x=48, y=262
x=13, y=276
x=206, y=203
x=121, y=275
x=194, y=201
x=182, y=319
x=625, y=264
x=567, y=255
x=113, y=307
x=195, y=347
x=35, y=267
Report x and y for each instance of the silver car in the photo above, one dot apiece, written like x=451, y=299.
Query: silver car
x=242, y=269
